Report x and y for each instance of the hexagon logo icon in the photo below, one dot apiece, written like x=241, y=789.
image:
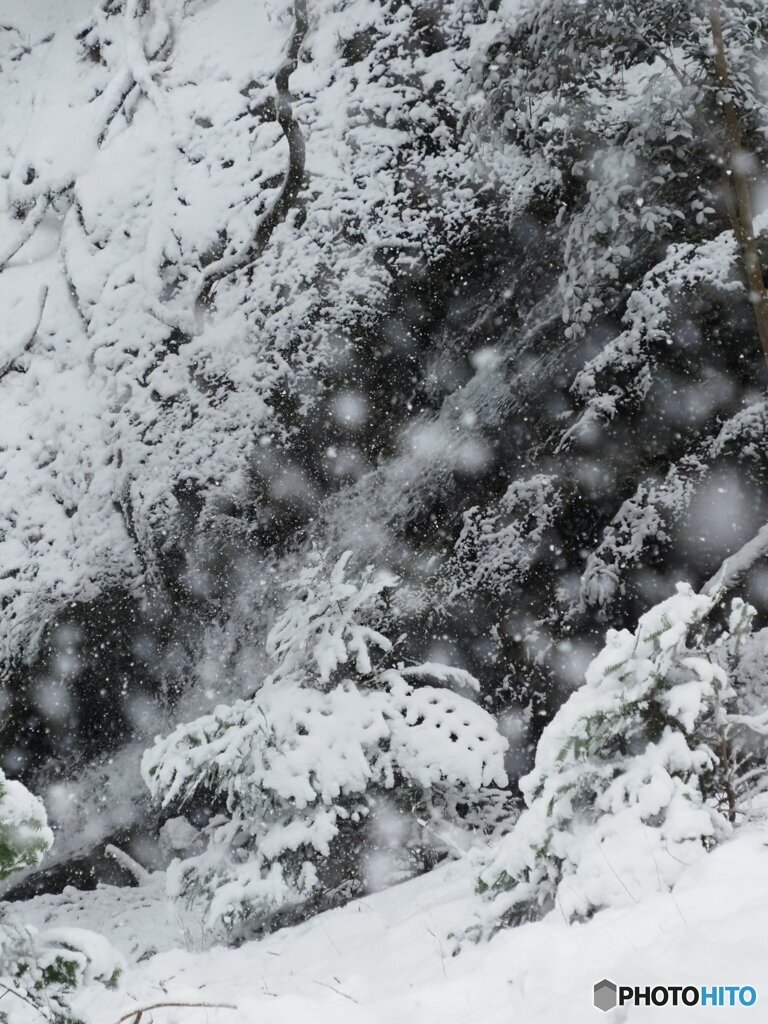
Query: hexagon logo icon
x=605, y=995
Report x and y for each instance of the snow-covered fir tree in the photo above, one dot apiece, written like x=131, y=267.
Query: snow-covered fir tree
x=643, y=769
x=24, y=832
x=42, y=968
x=342, y=733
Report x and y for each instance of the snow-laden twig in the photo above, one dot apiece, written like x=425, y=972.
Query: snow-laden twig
x=29, y=339
x=735, y=566
x=31, y=222
x=7, y=990
x=142, y=876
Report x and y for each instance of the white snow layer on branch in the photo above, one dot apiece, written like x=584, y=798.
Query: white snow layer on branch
x=648, y=326
x=648, y=515
x=740, y=562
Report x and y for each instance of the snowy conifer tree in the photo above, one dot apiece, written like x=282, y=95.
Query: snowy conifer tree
x=644, y=768
x=24, y=832
x=42, y=968
x=341, y=725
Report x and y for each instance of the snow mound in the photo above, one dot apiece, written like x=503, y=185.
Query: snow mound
x=139, y=921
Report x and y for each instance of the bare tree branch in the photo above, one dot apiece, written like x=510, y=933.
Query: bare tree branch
x=136, y=1015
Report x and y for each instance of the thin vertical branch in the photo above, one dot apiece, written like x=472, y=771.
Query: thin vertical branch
x=738, y=182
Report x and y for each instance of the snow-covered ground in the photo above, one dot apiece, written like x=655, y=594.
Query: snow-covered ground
x=388, y=957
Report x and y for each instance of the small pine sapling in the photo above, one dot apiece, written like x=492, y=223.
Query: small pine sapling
x=342, y=733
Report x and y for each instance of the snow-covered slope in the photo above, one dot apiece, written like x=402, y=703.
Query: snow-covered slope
x=388, y=957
